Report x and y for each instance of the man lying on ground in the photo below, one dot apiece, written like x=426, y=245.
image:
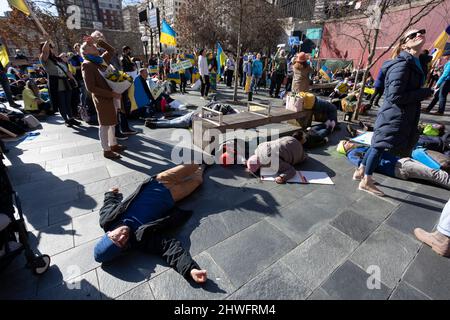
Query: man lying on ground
x=288, y=150
x=392, y=166
x=439, y=241
x=140, y=220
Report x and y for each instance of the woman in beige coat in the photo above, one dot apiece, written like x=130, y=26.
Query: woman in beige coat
x=102, y=95
x=302, y=70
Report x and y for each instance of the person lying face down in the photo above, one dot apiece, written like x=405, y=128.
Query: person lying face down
x=286, y=152
x=139, y=221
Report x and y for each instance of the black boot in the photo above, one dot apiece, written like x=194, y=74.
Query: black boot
x=250, y=96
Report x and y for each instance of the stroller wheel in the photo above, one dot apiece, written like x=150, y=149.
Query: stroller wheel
x=41, y=264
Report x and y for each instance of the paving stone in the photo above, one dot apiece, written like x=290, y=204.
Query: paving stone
x=172, y=286
x=18, y=284
x=87, y=228
x=100, y=187
x=87, y=176
x=127, y=272
x=329, y=199
x=438, y=196
x=354, y=225
x=413, y=214
x=390, y=250
x=275, y=283
x=374, y=208
x=77, y=167
x=81, y=288
x=250, y=251
x=69, y=265
x=76, y=208
x=404, y=291
x=320, y=294
x=58, y=145
x=349, y=282
x=301, y=219
x=429, y=274
x=141, y=292
x=397, y=190
x=42, y=175
x=317, y=257
x=53, y=240
x=36, y=219
x=80, y=150
x=32, y=158
x=85, y=158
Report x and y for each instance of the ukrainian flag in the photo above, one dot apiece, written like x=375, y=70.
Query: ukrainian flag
x=190, y=57
x=325, y=72
x=167, y=35
x=221, y=58
x=4, y=58
x=20, y=5
x=439, y=44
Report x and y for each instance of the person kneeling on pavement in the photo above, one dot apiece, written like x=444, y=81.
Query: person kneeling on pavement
x=392, y=166
x=439, y=241
x=140, y=220
x=288, y=151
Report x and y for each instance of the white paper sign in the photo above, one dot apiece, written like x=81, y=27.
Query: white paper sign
x=305, y=177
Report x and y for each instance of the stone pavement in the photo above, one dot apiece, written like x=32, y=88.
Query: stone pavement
x=257, y=240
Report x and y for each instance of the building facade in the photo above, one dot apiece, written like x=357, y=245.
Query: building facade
x=89, y=11
x=130, y=17
x=110, y=12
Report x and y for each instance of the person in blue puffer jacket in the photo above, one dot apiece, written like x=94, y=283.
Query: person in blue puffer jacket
x=257, y=70
x=398, y=118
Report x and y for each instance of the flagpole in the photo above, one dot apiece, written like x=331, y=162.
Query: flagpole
x=35, y=18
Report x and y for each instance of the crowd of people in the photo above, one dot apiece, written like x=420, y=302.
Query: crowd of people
x=72, y=83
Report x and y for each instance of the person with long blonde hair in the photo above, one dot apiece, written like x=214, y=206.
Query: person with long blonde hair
x=398, y=118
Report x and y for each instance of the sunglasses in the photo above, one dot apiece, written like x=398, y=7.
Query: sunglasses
x=415, y=34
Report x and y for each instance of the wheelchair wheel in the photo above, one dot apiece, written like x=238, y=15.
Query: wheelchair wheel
x=41, y=264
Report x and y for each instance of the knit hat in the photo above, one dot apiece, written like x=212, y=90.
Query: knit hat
x=105, y=250
x=345, y=146
x=253, y=163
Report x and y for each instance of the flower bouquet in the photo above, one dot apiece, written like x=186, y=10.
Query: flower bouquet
x=118, y=81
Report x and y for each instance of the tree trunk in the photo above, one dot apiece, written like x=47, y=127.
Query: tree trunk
x=366, y=73
x=238, y=54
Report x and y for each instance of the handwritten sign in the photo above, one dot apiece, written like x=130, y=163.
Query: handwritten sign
x=155, y=89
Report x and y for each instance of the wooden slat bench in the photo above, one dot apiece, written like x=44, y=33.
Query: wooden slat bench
x=256, y=115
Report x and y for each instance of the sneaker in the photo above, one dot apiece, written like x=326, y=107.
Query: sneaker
x=370, y=188
x=150, y=124
x=120, y=136
x=75, y=122
x=129, y=132
x=425, y=110
x=68, y=124
x=437, y=113
x=438, y=242
x=111, y=155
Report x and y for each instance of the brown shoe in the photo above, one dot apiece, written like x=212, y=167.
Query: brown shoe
x=437, y=113
x=118, y=148
x=111, y=155
x=439, y=242
x=369, y=186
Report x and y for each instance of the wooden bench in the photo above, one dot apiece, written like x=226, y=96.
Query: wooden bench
x=256, y=115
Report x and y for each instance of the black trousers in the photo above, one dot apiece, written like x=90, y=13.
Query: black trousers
x=276, y=81
x=183, y=82
x=229, y=77
x=205, y=86
x=376, y=96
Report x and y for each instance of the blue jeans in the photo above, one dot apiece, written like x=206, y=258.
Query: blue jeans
x=180, y=122
x=254, y=84
x=323, y=106
x=321, y=130
x=441, y=96
x=371, y=160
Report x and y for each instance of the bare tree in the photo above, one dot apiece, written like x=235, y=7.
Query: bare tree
x=373, y=15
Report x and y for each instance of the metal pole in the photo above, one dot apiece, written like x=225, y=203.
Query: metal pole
x=145, y=50
x=151, y=42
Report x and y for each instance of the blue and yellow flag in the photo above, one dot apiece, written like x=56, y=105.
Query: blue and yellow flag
x=221, y=58
x=326, y=73
x=4, y=58
x=167, y=35
x=20, y=5
x=439, y=44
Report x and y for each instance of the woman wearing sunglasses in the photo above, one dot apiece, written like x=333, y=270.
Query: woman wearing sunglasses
x=397, y=120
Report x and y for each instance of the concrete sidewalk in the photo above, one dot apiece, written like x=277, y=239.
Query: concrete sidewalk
x=257, y=240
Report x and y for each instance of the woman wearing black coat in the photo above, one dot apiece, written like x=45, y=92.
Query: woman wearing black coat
x=397, y=120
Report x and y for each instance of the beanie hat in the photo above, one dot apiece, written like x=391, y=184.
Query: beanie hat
x=105, y=250
x=253, y=163
x=340, y=147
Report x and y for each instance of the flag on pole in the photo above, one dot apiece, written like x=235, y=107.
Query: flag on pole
x=439, y=45
x=167, y=35
x=4, y=58
x=20, y=5
x=325, y=72
x=221, y=58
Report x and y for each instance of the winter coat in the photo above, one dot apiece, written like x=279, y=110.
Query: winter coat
x=289, y=152
x=149, y=236
x=379, y=82
x=398, y=118
x=257, y=68
x=301, y=82
x=445, y=75
x=99, y=88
